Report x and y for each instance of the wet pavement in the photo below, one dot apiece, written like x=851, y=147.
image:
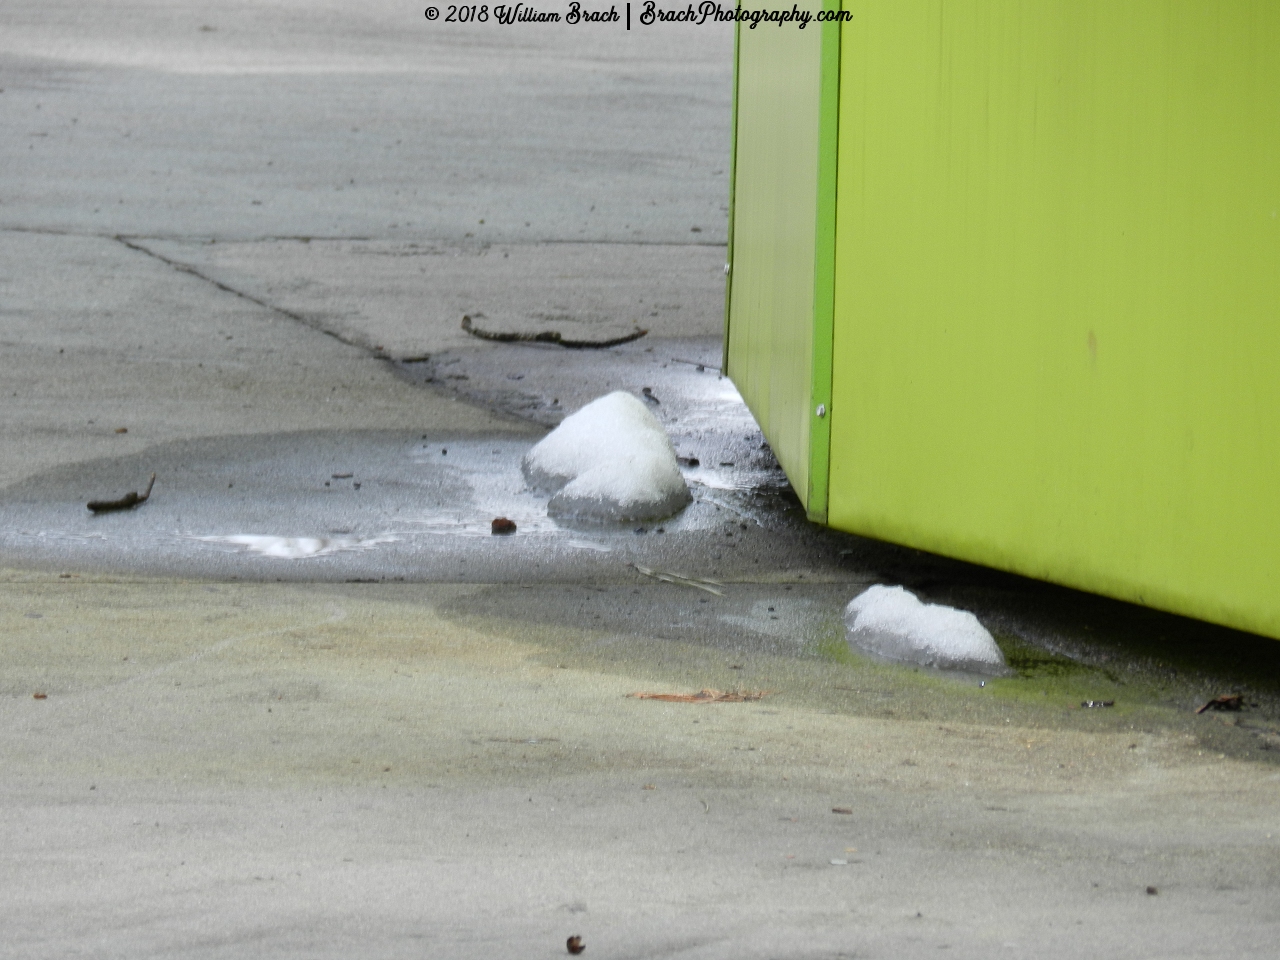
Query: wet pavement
x=398, y=507
x=337, y=505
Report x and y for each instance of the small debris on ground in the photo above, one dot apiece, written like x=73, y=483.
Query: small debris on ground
x=502, y=526
x=688, y=461
x=548, y=336
x=696, y=363
x=122, y=429
x=575, y=945
x=128, y=501
x=705, y=695
x=1152, y=891
x=1227, y=701
x=1092, y=704
x=647, y=392
x=39, y=696
x=343, y=476
x=844, y=810
x=698, y=583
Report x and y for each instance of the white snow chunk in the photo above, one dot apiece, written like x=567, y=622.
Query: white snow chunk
x=609, y=461
x=892, y=622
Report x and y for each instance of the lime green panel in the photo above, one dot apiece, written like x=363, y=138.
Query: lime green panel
x=824, y=271
x=1057, y=334
x=770, y=329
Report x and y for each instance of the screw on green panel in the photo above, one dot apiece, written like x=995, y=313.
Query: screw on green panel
x=824, y=270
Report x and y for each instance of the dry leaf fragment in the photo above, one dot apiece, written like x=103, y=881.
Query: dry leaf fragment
x=39, y=696
x=705, y=695
x=575, y=945
x=128, y=501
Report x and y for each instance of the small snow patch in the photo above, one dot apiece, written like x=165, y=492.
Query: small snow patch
x=891, y=622
x=609, y=461
x=298, y=548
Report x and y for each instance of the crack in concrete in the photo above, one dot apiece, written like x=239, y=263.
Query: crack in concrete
x=136, y=243
x=185, y=238
x=309, y=238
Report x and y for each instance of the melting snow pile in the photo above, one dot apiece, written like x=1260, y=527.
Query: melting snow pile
x=609, y=461
x=893, y=623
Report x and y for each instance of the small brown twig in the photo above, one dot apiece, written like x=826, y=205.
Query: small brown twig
x=698, y=583
x=1228, y=701
x=705, y=695
x=128, y=501
x=548, y=336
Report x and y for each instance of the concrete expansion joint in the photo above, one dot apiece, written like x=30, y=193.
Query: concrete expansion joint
x=137, y=244
x=207, y=238
x=55, y=232
x=579, y=241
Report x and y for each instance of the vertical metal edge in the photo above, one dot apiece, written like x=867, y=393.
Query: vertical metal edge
x=824, y=270
x=733, y=177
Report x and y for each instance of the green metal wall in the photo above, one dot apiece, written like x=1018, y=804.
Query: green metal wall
x=1057, y=310
x=770, y=292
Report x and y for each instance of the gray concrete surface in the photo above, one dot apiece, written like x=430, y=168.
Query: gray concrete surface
x=290, y=119
x=248, y=247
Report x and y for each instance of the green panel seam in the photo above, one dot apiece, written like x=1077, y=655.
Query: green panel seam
x=824, y=271
x=733, y=176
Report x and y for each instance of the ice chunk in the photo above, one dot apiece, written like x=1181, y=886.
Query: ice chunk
x=609, y=461
x=891, y=622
